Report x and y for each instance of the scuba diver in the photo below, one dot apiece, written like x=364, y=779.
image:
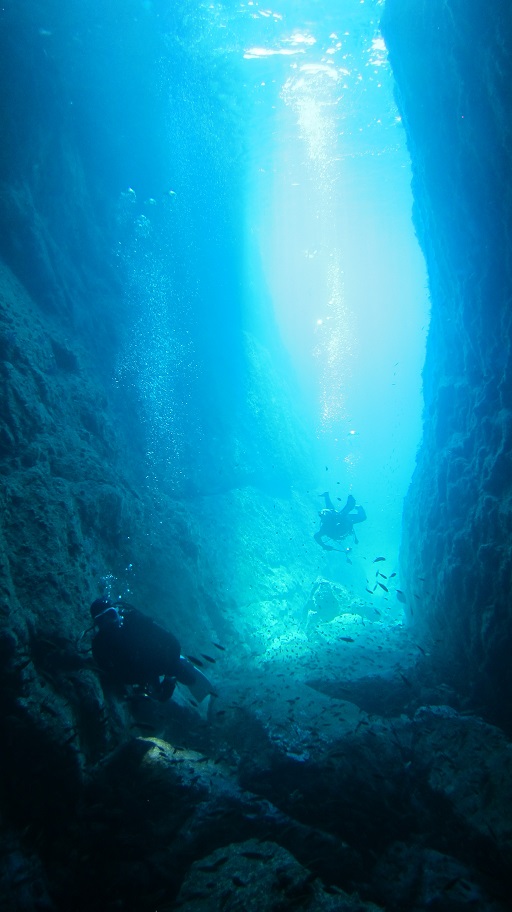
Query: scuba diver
x=337, y=524
x=131, y=648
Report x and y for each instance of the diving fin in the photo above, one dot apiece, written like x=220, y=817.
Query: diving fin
x=200, y=687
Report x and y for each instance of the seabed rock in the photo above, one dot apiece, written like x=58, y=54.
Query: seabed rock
x=263, y=877
x=326, y=601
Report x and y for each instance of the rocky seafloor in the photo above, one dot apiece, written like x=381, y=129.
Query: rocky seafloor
x=318, y=777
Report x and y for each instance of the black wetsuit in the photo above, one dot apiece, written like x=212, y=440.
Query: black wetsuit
x=139, y=651
x=337, y=524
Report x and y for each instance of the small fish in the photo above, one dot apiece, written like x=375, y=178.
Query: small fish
x=195, y=661
x=405, y=679
x=221, y=712
x=381, y=574
x=369, y=590
x=218, y=646
x=382, y=586
x=208, y=658
x=420, y=649
x=400, y=596
x=377, y=559
x=376, y=612
x=391, y=575
x=347, y=639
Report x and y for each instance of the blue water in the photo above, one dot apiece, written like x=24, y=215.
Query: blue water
x=329, y=215
x=263, y=188
x=281, y=197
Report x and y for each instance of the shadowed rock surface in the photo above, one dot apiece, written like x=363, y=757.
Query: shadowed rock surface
x=456, y=555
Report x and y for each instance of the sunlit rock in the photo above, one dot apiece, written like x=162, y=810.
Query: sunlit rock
x=327, y=600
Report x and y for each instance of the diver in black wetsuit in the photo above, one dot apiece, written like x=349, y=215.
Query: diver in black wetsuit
x=131, y=648
x=337, y=524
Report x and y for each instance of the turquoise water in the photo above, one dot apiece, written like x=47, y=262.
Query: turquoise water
x=263, y=205
x=329, y=217
x=281, y=197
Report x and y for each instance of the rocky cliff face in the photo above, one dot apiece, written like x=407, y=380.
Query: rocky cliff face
x=453, y=73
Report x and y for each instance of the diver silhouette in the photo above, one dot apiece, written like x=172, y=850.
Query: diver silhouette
x=337, y=524
x=131, y=648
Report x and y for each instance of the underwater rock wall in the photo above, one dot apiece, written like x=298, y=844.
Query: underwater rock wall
x=83, y=511
x=75, y=512
x=453, y=72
